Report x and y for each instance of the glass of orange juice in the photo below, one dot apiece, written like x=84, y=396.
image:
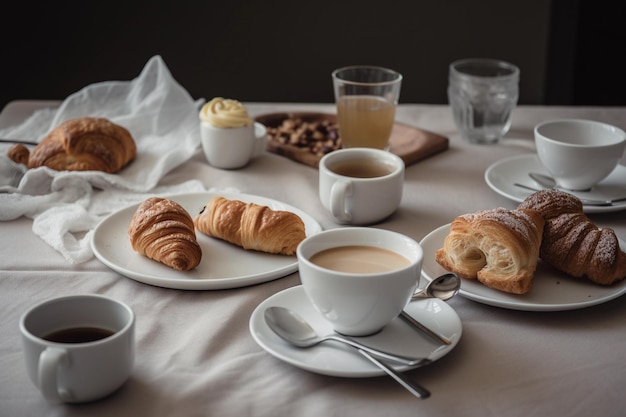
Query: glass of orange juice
x=366, y=98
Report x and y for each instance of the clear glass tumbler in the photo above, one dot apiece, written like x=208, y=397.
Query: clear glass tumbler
x=366, y=99
x=482, y=94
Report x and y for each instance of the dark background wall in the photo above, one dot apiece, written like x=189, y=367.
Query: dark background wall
x=569, y=52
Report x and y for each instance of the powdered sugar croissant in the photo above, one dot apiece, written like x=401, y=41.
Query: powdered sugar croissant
x=163, y=230
x=82, y=144
x=499, y=247
x=251, y=226
x=572, y=243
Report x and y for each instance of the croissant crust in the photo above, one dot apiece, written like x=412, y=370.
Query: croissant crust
x=499, y=247
x=82, y=144
x=163, y=230
x=572, y=243
x=251, y=226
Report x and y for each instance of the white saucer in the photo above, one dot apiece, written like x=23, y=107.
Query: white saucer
x=551, y=290
x=223, y=265
x=336, y=359
x=502, y=176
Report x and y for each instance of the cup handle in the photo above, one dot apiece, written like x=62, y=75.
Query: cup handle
x=338, y=193
x=260, y=136
x=49, y=362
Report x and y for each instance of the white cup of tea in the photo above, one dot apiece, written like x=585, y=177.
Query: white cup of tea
x=361, y=185
x=78, y=348
x=359, y=278
x=232, y=147
x=579, y=153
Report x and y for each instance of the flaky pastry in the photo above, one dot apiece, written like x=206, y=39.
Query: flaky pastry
x=499, y=247
x=572, y=243
x=251, y=226
x=163, y=230
x=82, y=144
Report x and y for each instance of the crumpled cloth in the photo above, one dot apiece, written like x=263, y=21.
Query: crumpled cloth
x=66, y=205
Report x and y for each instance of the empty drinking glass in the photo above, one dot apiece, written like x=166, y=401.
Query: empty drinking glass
x=483, y=94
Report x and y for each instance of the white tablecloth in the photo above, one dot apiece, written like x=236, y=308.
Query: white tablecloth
x=195, y=354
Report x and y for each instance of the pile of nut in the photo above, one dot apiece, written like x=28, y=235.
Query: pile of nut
x=319, y=137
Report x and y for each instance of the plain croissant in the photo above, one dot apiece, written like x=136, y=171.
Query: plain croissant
x=83, y=144
x=163, y=230
x=499, y=247
x=572, y=243
x=251, y=226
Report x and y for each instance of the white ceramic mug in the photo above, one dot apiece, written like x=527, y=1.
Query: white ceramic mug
x=232, y=147
x=579, y=153
x=361, y=185
x=360, y=303
x=65, y=370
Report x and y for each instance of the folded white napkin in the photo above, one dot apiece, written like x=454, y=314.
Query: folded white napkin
x=67, y=205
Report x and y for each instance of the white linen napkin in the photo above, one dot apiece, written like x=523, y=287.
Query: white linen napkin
x=67, y=205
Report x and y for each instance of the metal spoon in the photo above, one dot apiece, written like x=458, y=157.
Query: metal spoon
x=25, y=142
x=585, y=201
x=543, y=180
x=290, y=326
x=294, y=329
x=550, y=182
x=443, y=287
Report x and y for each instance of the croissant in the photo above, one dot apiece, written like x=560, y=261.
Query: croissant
x=83, y=144
x=572, y=243
x=499, y=247
x=251, y=226
x=163, y=230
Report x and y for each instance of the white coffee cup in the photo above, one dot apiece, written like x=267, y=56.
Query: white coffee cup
x=65, y=370
x=361, y=185
x=232, y=147
x=579, y=153
x=362, y=302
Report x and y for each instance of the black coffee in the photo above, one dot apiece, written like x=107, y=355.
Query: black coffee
x=78, y=335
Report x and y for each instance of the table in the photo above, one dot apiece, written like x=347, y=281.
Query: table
x=195, y=355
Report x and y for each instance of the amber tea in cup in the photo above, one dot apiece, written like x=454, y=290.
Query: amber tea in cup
x=362, y=168
x=360, y=185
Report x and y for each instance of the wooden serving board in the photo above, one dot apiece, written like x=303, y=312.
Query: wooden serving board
x=409, y=143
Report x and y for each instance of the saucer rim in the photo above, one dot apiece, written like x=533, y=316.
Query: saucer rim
x=295, y=297
x=495, y=173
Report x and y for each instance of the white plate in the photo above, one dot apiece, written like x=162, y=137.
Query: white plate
x=502, y=175
x=551, y=289
x=336, y=359
x=223, y=265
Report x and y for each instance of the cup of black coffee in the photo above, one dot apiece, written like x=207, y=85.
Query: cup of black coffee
x=78, y=348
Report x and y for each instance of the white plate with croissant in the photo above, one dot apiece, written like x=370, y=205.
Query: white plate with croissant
x=222, y=264
x=551, y=290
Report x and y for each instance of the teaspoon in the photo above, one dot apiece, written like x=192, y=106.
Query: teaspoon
x=585, y=201
x=444, y=287
x=291, y=327
x=294, y=329
x=543, y=180
x=550, y=182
